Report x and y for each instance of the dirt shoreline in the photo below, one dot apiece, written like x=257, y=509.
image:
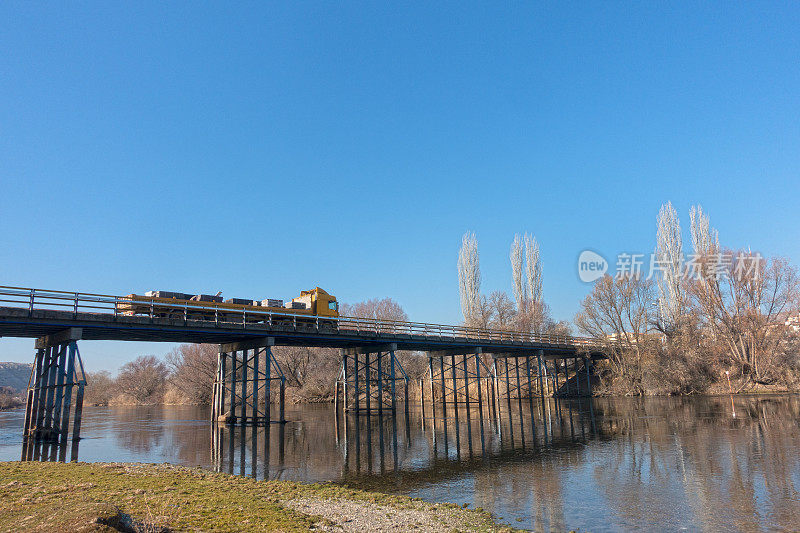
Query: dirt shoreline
x=154, y=498
x=756, y=392
x=711, y=394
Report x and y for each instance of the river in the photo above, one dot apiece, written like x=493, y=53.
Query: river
x=666, y=464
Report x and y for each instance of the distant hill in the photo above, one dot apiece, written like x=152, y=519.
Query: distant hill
x=15, y=375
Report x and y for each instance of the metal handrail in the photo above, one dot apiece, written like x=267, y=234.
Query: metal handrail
x=91, y=302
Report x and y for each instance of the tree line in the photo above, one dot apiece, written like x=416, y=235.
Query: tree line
x=720, y=319
x=527, y=311
x=724, y=320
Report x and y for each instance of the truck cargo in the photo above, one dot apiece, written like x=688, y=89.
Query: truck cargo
x=240, y=301
x=181, y=306
x=167, y=294
x=206, y=298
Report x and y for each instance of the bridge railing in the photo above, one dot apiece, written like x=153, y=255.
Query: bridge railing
x=449, y=331
x=80, y=302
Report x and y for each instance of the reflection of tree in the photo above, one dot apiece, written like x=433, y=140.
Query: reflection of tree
x=773, y=444
x=180, y=433
x=190, y=440
x=139, y=429
x=700, y=467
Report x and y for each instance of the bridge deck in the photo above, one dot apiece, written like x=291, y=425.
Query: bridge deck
x=31, y=313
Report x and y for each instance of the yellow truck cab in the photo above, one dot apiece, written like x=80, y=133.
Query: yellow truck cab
x=319, y=302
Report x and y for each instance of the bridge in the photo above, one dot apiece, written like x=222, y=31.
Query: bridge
x=467, y=366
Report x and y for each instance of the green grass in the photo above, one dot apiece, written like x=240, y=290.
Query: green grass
x=107, y=497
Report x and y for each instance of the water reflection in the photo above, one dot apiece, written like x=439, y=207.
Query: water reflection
x=401, y=452
x=729, y=467
x=45, y=450
x=602, y=464
x=236, y=450
x=151, y=421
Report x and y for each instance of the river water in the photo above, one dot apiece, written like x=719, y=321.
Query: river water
x=665, y=464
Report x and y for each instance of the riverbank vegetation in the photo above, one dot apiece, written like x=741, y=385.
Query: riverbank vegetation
x=716, y=320
x=724, y=321
x=137, y=497
x=9, y=399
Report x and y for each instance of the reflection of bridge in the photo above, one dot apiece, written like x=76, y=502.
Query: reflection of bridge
x=414, y=451
x=504, y=364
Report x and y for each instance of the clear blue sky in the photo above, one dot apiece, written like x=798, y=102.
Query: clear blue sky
x=272, y=147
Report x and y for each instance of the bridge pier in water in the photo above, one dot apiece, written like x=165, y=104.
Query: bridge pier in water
x=366, y=376
x=56, y=383
x=461, y=377
x=243, y=388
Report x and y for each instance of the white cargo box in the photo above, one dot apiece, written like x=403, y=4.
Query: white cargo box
x=295, y=305
x=270, y=302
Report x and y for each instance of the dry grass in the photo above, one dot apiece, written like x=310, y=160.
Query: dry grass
x=155, y=498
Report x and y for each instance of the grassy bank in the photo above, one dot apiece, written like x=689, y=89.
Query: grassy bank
x=141, y=497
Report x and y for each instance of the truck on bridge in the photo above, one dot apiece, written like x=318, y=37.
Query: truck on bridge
x=309, y=305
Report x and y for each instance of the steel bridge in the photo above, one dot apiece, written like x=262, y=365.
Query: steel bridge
x=466, y=365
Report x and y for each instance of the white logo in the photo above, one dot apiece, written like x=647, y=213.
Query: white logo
x=591, y=266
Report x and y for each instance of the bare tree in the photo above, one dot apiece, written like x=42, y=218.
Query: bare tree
x=483, y=315
x=705, y=240
x=376, y=308
x=732, y=310
x=502, y=310
x=321, y=372
x=562, y=328
x=518, y=274
x=143, y=379
x=533, y=267
x=527, y=278
x=100, y=388
x=295, y=361
x=538, y=319
x=9, y=398
x=469, y=278
x=194, y=369
x=617, y=311
x=312, y=370
x=531, y=313
x=669, y=259
x=744, y=300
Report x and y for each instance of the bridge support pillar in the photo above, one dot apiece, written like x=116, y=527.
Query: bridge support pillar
x=367, y=382
x=57, y=380
x=587, y=368
x=539, y=356
x=243, y=388
x=515, y=375
x=461, y=377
